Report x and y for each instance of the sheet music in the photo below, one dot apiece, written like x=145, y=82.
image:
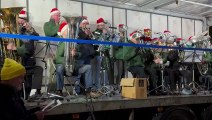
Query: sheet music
x=193, y=56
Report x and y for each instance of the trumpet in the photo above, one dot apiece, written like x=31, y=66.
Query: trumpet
x=90, y=33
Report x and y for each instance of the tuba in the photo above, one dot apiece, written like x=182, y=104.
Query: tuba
x=73, y=31
x=8, y=24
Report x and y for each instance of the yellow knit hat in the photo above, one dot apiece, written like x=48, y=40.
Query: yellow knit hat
x=11, y=69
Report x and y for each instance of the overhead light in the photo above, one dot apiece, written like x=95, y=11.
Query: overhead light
x=130, y=4
x=196, y=3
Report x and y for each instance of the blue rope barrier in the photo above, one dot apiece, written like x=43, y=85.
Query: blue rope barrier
x=27, y=37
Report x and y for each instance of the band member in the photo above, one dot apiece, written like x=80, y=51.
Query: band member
x=26, y=51
x=119, y=64
x=100, y=29
x=139, y=61
x=87, y=53
x=173, y=69
x=60, y=60
x=12, y=106
x=84, y=31
x=83, y=54
x=151, y=67
x=135, y=63
x=122, y=32
x=51, y=27
x=98, y=33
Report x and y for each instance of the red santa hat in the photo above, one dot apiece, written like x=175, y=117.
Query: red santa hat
x=166, y=32
x=146, y=30
x=191, y=37
x=54, y=11
x=179, y=39
x=23, y=13
x=133, y=33
x=121, y=25
x=100, y=21
x=62, y=28
x=85, y=20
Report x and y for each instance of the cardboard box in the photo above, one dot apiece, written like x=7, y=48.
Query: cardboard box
x=134, y=88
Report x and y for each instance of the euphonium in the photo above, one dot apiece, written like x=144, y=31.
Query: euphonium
x=8, y=24
x=73, y=30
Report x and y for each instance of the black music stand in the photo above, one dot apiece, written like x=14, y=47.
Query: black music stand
x=193, y=56
x=162, y=67
x=162, y=86
x=47, y=47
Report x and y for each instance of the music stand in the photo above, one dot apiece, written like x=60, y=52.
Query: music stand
x=47, y=46
x=193, y=56
x=162, y=86
x=105, y=64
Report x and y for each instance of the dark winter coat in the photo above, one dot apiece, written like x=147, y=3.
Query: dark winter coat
x=87, y=50
x=27, y=49
x=12, y=107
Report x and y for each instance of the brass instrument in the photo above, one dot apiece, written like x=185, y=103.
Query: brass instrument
x=91, y=34
x=73, y=30
x=8, y=24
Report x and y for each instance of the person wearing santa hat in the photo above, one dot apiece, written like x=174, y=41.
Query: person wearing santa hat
x=12, y=106
x=119, y=63
x=98, y=33
x=24, y=25
x=60, y=58
x=82, y=54
x=84, y=31
x=26, y=52
x=136, y=59
x=100, y=28
x=87, y=54
x=122, y=30
x=135, y=63
x=51, y=27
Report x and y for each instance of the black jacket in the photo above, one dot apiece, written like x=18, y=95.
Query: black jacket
x=12, y=107
x=87, y=50
x=28, y=53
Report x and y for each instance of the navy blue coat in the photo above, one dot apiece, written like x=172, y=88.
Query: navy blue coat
x=12, y=107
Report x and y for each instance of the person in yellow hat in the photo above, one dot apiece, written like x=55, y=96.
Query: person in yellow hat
x=12, y=107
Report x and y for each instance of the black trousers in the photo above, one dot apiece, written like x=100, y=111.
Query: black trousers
x=173, y=77
x=152, y=71
x=33, y=79
x=137, y=71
